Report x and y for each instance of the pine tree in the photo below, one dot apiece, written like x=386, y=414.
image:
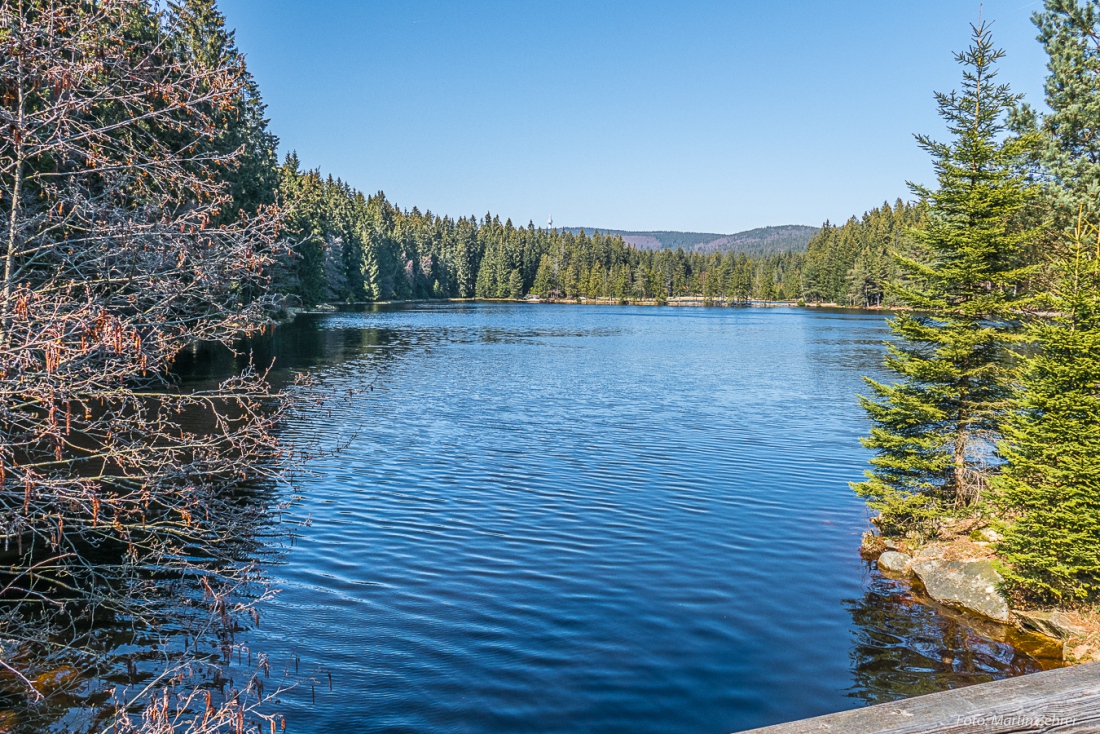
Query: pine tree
x=301, y=195
x=932, y=431
x=486, y=285
x=1070, y=151
x=1051, y=484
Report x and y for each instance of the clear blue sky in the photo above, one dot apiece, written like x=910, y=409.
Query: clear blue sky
x=630, y=114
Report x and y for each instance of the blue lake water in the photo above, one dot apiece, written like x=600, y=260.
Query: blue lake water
x=591, y=519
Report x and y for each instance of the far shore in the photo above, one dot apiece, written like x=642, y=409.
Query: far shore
x=682, y=301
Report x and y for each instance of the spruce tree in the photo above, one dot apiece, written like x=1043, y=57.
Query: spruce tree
x=1051, y=484
x=932, y=431
x=515, y=285
x=486, y=285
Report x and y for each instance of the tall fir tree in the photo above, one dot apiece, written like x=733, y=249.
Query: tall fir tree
x=933, y=430
x=1051, y=484
x=302, y=199
x=515, y=285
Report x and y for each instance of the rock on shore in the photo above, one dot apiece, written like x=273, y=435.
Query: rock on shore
x=894, y=564
x=968, y=585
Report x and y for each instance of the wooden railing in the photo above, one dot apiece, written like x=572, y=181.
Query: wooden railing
x=1064, y=701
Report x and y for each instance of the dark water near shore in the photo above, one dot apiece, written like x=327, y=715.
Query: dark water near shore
x=592, y=519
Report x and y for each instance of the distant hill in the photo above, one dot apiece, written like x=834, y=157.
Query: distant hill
x=761, y=241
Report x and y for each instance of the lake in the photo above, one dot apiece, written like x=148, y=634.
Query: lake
x=557, y=518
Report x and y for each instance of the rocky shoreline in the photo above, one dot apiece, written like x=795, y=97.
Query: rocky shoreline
x=964, y=575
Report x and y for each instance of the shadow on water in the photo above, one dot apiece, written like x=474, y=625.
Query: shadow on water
x=91, y=648
x=298, y=346
x=97, y=620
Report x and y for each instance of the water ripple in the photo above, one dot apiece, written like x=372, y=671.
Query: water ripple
x=571, y=519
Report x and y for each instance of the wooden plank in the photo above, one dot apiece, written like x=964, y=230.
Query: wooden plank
x=1064, y=701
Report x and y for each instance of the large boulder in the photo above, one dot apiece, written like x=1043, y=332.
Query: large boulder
x=968, y=585
x=894, y=564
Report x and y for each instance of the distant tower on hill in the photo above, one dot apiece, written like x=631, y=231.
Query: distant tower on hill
x=550, y=222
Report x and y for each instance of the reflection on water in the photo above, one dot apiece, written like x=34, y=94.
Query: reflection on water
x=907, y=647
x=589, y=519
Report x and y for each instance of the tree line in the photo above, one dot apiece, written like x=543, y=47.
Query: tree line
x=349, y=247
x=852, y=264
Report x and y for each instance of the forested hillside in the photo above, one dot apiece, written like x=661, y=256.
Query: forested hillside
x=763, y=240
x=754, y=242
